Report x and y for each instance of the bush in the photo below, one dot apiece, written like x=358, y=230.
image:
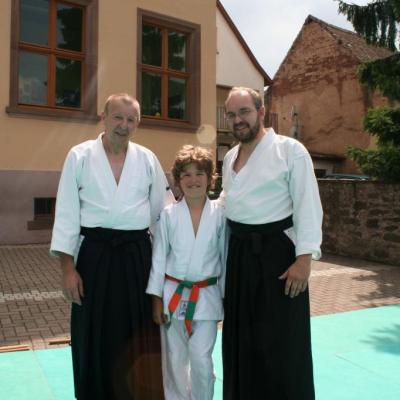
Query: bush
x=384, y=163
x=384, y=123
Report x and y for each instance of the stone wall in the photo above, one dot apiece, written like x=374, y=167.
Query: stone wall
x=361, y=219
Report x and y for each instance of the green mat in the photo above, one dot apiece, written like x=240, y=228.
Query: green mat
x=356, y=356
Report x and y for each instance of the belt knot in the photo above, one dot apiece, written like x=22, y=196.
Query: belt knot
x=193, y=297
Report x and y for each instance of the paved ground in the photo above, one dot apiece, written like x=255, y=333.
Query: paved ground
x=34, y=313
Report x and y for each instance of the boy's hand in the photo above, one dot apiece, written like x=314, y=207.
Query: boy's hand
x=158, y=311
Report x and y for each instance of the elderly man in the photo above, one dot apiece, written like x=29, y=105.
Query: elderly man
x=111, y=190
x=274, y=214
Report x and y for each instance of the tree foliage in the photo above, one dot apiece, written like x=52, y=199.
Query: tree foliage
x=382, y=74
x=384, y=123
x=377, y=22
x=384, y=163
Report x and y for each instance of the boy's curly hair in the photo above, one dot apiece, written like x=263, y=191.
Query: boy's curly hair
x=200, y=156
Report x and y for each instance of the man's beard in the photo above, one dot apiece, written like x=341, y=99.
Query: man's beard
x=250, y=135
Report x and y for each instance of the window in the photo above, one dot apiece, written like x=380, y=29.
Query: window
x=319, y=173
x=44, y=208
x=54, y=58
x=169, y=71
x=43, y=213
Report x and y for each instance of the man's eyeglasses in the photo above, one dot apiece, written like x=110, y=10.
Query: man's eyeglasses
x=242, y=113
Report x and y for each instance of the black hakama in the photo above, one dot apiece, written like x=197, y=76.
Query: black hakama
x=266, y=342
x=116, y=350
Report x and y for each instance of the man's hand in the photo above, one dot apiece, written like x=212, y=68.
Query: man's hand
x=297, y=275
x=158, y=311
x=71, y=282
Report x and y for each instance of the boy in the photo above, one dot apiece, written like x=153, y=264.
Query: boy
x=187, y=278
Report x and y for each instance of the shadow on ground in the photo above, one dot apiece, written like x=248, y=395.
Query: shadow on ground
x=386, y=340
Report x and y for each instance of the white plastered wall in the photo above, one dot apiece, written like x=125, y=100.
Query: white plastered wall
x=234, y=68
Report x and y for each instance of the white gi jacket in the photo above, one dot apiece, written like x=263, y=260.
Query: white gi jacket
x=89, y=196
x=179, y=253
x=277, y=181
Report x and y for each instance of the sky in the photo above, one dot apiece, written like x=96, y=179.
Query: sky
x=269, y=27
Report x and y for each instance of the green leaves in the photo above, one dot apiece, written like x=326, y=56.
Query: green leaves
x=384, y=163
x=384, y=123
x=378, y=21
x=383, y=74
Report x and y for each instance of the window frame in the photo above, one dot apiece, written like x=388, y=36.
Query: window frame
x=193, y=31
x=88, y=109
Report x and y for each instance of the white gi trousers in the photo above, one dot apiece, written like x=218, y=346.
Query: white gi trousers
x=188, y=369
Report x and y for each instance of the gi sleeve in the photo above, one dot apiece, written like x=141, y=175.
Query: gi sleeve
x=223, y=241
x=161, y=248
x=160, y=193
x=66, y=230
x=307, y=209
x=221, y=199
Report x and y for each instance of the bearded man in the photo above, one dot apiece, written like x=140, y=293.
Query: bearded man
x=274, y=214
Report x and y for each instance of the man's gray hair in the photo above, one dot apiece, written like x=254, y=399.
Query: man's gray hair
x=125, y=97
x=256, y=97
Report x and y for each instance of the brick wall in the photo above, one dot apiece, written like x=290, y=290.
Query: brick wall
x=361, y=220
x=318, y=79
